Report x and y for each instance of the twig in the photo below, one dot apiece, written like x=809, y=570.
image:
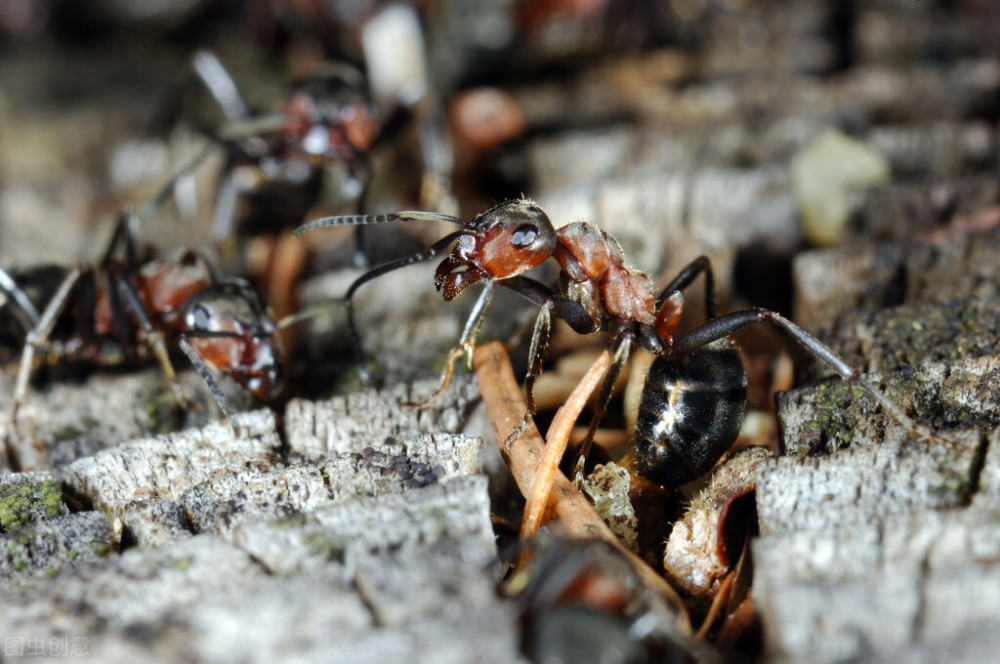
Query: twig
x=555, y=447
x=565, y=506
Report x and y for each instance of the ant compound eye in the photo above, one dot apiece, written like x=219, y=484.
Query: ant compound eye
x=524, y=235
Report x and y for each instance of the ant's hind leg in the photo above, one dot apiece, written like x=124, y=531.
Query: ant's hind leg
x=686, y=277
x=39, y=335
x=726, y=325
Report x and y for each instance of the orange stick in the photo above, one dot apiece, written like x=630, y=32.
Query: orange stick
x=555, y=446
x=566, y=506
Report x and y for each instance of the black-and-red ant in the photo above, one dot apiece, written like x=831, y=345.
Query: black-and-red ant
x=279, y=162
x=125, y=308
x=693, y=401
x=276, y=162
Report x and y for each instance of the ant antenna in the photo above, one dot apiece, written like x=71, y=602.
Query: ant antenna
x=370, y=219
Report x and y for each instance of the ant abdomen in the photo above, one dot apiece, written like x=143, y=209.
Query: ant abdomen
x=690, y=413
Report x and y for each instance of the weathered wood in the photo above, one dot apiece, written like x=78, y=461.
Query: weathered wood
x=68, y=421
x=943, y=395
x=368, y=418
x=868, y=553
x=833, y=282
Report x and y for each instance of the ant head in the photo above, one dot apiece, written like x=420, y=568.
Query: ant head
x=322, y=109
x=232, y=329
x=505, y=241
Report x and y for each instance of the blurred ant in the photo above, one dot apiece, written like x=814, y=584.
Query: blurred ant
x=581, y=600
x=276, y=162
x=693, y=401
x=279, y=162
x=127, y=308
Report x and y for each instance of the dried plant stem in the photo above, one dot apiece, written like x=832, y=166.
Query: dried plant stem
x=566, y=506
x=555, y=446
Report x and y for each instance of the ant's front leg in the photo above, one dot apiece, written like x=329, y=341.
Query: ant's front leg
x=466, y=342
x=153, y=337
x=574, y=313
x=352, y=328
x=726, y=325
x=39, y=335
x=206, y=374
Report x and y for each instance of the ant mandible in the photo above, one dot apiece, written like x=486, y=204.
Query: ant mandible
x=126, y=308
x=690, y=408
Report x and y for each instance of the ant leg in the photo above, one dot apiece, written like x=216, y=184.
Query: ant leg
x=466, y=342
x=549, y=304
x=623, y=349
x=153, y=337
x=22, y=306
x=39, y=335
x=726, y=325
x=686, y=277
x=225, y=208
x=220, y=85
x=536, y=355
x=123, y=234
x=206, y=375
x=352, y=330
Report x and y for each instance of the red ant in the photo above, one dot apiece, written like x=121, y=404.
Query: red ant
x=599, y=290
x=127, y=308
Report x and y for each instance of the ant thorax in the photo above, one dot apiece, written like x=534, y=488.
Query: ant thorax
x=588, y=254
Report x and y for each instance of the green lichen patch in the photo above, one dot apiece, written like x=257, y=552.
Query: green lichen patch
x=27, y=498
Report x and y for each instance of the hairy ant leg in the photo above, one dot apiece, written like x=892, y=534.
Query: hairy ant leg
x=151, y=335
x=466, y=342
x=206, y=374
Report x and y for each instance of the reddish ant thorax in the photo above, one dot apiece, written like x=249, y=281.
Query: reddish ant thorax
x=164, y=286
x=595, y=266
x=323, y=128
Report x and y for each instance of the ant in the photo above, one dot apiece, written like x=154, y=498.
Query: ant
x=693, y=401
x=279, y=161
x=581, y=600
x=127, y=308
